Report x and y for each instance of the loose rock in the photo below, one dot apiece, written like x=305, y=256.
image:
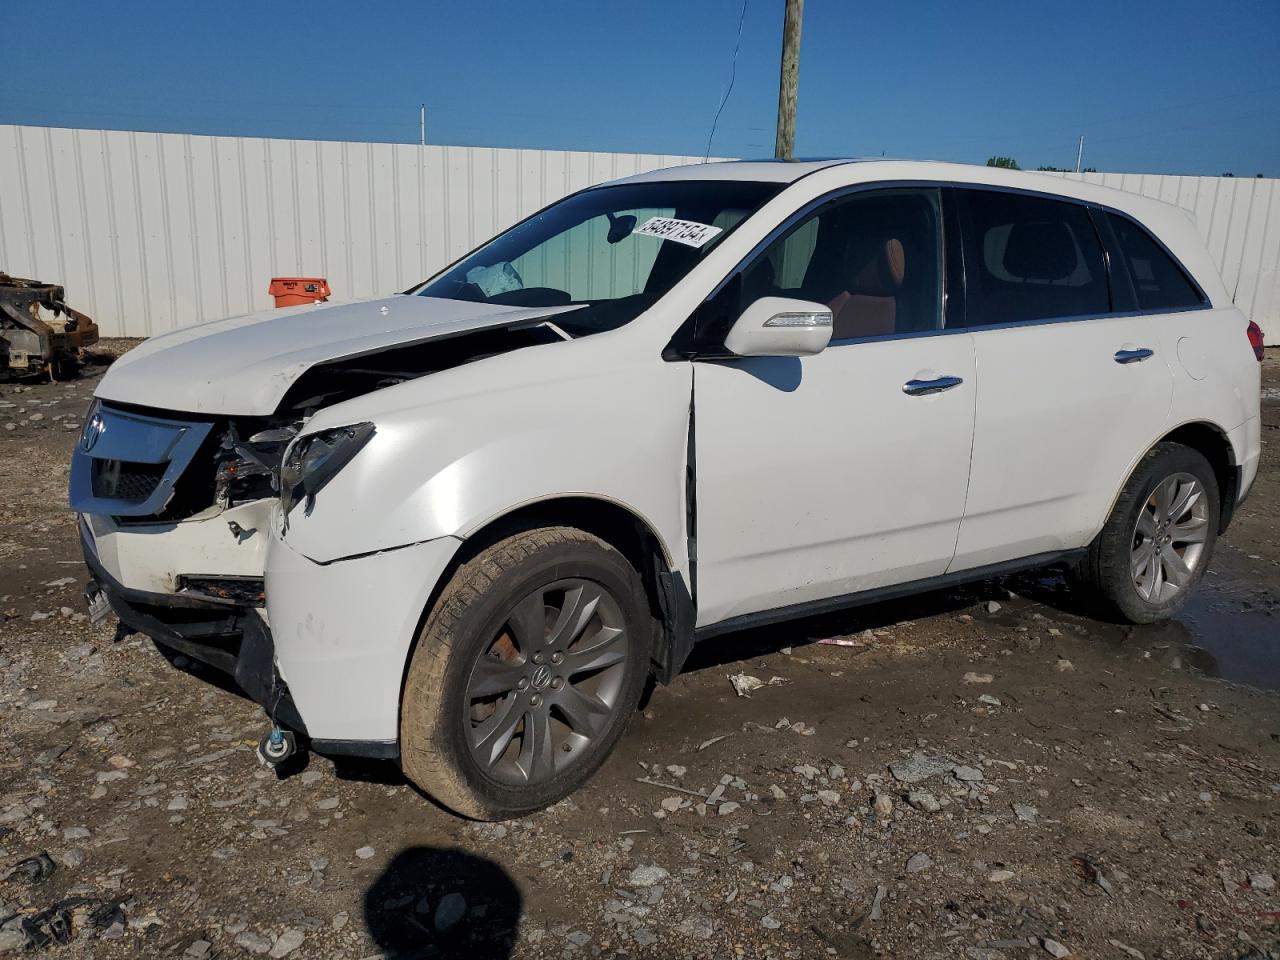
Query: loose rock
x=647, y=876
x=919, y=862
x=450, y=911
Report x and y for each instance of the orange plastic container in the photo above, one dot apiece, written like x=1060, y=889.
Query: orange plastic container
x=292, y=291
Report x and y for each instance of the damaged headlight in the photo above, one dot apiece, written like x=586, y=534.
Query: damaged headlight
x=314, y=460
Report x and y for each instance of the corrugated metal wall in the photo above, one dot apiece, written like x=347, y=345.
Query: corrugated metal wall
x=1239, y=219
x=151, y=231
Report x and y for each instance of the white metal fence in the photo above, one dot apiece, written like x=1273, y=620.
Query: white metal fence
x=1239, y=219
x=152, y=231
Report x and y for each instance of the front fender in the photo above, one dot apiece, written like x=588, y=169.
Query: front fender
x=455, y=449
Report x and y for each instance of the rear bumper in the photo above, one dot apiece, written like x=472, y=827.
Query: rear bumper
x=1246, y=441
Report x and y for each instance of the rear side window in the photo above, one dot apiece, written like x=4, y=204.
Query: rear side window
x=1030, y=258
x=1161, y=285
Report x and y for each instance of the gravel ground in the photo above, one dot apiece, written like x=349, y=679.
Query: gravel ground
x=985, y=773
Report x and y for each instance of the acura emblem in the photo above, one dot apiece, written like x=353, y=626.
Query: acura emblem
x=91, y=432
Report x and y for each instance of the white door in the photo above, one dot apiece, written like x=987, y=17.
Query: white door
x=1072, y=393
x=845, y=471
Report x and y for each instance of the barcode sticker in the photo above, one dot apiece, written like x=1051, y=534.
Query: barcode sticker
x=688, y=232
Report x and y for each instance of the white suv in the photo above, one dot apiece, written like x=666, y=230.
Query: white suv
x=463, y=526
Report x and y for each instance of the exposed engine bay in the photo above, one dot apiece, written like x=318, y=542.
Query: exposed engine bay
x=237, y=460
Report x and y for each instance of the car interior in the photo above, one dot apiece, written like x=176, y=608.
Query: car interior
x=874, y=261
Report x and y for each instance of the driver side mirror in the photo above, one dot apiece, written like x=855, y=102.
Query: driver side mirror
x=780, y=327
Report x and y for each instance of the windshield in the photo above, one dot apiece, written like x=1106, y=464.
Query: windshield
x=615, y=250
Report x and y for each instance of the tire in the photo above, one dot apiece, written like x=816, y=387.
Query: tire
x=1121, y=563
x=499, y=644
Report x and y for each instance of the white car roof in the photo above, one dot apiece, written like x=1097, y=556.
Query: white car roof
x=1172, y=225
x=869, y=170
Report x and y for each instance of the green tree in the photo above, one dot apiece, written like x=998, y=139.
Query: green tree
x=1007, y=162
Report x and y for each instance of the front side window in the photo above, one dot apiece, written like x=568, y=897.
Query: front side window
x=1158, y=281
x=615, y=250
x=874, y=257
x=1030, y=258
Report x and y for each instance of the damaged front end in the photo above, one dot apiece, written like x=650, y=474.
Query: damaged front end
x=174, y=513
x=176, y=507
x=38, y=332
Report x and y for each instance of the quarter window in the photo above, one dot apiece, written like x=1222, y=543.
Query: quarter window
x=1030, y=258
x=1158, y=281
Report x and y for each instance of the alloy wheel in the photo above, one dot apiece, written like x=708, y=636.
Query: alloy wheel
x=548, y=684
x=1169, y=538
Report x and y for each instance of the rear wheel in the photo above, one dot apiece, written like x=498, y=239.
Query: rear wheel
x=526, y=673
x=1160, y=536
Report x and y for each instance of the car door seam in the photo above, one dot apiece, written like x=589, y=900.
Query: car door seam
x=973, y=439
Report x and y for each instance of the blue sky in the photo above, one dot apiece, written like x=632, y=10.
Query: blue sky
x=1172, y=87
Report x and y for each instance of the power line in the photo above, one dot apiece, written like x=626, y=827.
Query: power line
x=733, y=73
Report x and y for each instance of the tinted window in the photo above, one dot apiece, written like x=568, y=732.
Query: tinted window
x=873, y=257
x=1030, y=258
x=1158, y=281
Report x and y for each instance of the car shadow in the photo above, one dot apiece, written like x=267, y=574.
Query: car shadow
x=436, y=902
x=1048, y=586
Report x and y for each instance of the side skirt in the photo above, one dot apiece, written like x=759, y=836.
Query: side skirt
x=892, y=592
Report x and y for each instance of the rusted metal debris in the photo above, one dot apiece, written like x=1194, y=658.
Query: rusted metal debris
x=38, y=332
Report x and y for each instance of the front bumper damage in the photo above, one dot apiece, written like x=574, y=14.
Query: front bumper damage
x=344, y=632
x=224, y=634
x=181, y=525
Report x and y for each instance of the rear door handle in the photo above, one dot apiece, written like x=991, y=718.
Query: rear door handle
x=923, y=388
x=1133, y=356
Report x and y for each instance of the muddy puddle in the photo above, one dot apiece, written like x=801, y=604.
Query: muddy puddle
x=1229, y=628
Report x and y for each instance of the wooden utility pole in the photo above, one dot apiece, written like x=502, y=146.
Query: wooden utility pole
x=789, y=81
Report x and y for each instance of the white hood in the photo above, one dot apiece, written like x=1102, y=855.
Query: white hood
x=244, y=365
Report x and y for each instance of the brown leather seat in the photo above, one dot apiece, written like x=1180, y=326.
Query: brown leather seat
x=874, y=269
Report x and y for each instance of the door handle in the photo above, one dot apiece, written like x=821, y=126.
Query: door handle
x=923, y=388
x=1133, y=356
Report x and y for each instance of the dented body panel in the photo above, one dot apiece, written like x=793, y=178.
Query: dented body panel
x=156, y=557
x=245, y=365
x=343, y=632
x=451, y=453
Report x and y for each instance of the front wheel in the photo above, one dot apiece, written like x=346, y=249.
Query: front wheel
x=1160, y=536
x=528, y=670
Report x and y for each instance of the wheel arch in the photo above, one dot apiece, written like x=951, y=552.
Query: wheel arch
x=617, y=525
x=1212, y=443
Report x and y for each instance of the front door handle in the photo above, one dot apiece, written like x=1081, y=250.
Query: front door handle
x=923, y=388
x=1133, y=356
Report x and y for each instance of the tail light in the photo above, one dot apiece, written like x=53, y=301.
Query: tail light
x=1255, y=340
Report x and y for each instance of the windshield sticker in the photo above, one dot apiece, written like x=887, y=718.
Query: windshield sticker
x=681, y=231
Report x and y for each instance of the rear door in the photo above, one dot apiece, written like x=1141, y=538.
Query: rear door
x=827, y=475
x=1074, y=387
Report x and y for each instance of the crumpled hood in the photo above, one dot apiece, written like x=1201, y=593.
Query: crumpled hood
x=245, y=365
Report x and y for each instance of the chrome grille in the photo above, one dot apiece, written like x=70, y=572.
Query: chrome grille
x=126, y=463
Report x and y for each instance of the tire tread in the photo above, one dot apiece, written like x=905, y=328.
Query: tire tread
x=422, y=732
